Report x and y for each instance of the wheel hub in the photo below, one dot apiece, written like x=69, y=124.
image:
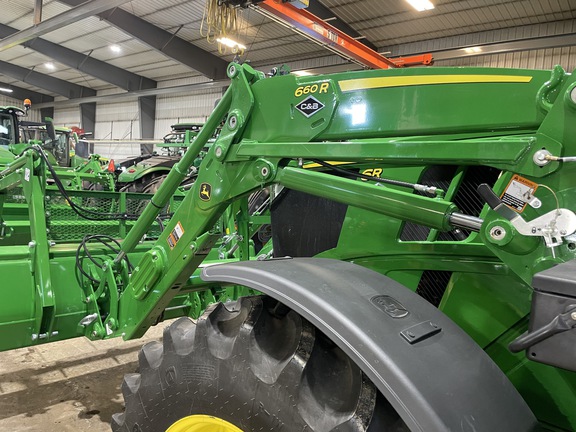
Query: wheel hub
x=202, y=423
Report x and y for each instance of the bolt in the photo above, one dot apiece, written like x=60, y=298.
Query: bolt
x=498, y=233
x=218, y=151
x=232, y=71
x=232, y=122
x=31, y=244
x=192, y=246
x=411, y=335
x=573, y=316
x=34, y=336
x=563, y=232
x=264, y=171
x=94, y=333
x=573, y=95
x=541, y=157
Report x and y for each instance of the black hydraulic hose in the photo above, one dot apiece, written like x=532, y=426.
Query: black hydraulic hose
x=430, y=190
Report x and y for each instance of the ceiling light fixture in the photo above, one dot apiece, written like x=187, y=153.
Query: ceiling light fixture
x=472, y=50
x=301, y=73
x=7, y=90
x=230, y=43
x=49, y=65
x=115, y=48
x=421, y=5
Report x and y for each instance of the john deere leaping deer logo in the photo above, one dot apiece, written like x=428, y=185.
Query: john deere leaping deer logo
x=205, y=191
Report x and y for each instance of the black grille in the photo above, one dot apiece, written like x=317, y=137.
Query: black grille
x=432, y=285
x=439, y=176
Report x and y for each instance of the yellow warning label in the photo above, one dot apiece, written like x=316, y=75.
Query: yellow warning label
x=175, y=235
x=518, y=193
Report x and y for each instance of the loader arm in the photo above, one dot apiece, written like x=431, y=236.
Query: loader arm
x=245, y=159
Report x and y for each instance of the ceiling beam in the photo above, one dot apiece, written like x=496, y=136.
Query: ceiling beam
x=178, y=49
x=119, y=97
x=22, y=93
x=85, y=10
x=46, y=82
x=322, y=12
x=98, y=69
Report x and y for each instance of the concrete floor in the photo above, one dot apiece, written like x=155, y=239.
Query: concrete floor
x=72, y=385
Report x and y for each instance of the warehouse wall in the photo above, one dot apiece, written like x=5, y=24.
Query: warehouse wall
x=175, y=108
x=117, y=121
x=531, y=59
x=487, y=37
x=536, y=59
x=8, y=101
x=67, y=116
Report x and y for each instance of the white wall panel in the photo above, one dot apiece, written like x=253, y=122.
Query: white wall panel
x=116, y=150
x=9, y=101
x=487, y=37
x=117, y=121
x=67, y=116
x=189, y=108
x=536, y=59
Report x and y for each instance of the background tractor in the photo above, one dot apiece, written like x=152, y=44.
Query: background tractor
x=145, y=173
x=420, y=275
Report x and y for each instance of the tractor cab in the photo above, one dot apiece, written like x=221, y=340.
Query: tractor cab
x=9, y=125
x=61, y=145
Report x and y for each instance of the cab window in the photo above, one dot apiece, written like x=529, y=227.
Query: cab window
x=6, y=129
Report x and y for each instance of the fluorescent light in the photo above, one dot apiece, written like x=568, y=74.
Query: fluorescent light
x=421, y=5
x=7, y=90
x=49, y=65
x=115, y=48
x=230, y=43
x=472, y=50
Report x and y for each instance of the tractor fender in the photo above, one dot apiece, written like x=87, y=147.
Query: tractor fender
x=434, y=375
x=126, y=177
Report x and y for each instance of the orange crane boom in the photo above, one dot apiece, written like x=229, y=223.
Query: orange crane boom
x=320, y=31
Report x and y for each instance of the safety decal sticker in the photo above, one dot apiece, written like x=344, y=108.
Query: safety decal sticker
x=175, y=235
x=205, y=191
x=518, y=193
x=309, y=106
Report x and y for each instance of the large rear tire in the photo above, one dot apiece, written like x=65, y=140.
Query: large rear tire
x=257, y=365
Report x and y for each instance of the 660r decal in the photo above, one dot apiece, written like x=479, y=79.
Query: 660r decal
x=304, y=90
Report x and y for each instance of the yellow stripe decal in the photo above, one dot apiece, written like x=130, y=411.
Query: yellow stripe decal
x=401, y=81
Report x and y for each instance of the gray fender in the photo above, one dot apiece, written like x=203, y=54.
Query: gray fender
x=432, y=373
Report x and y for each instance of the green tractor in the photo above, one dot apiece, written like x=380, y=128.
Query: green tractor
x=421, y=274
x=66, y=149
x=70, y=155
x=145, y=174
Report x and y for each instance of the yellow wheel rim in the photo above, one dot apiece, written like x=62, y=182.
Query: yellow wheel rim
x=202, y=423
